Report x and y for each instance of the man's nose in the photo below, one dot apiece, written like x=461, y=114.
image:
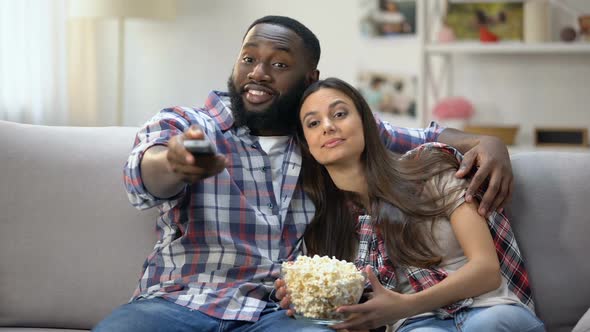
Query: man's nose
x=259, y=73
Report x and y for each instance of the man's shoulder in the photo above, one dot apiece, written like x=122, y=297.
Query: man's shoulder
x=215, y=112
x=216, y=102
x=218, y=108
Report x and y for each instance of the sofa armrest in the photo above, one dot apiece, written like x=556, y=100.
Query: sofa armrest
x=583, y=324
x=71, y=244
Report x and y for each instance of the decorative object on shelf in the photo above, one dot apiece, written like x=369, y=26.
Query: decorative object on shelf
x=391, y=94
x=568, y=34
x=553, y=136
x=506, y=133
x=386, y=18
x=484, y=22
x=486, y=36
x=501, y=20
x=536, y=21
x=453, y=111
x=584, y=21
x=446, y=34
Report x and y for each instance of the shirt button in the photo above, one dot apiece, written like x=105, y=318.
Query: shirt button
x=264, y=169
x=270, y=205
x=253, y=146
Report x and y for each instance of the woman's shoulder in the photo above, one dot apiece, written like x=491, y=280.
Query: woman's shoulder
x=441, y=161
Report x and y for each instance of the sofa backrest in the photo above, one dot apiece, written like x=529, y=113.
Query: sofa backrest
x=550, y=213
x=71, y=245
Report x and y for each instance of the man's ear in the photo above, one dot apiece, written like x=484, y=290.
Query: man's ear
x=313, y=76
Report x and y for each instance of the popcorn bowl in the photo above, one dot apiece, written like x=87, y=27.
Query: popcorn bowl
x=318, y=285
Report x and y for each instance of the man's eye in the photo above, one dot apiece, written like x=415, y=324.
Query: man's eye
x=280, y=65
x=247, y=59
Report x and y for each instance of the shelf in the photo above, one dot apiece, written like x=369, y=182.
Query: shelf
x=475, y=47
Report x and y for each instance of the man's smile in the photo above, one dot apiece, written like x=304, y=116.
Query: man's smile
x=257, y=94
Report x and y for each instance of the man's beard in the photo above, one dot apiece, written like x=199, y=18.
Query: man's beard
x=280, y=117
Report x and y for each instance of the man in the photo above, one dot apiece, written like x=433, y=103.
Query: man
x=228, y=221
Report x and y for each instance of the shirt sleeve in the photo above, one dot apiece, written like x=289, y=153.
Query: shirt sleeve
x=157, y=131
x=401, y=140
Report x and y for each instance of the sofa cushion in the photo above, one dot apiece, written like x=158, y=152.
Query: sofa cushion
x=550, y=211
x=71, y=245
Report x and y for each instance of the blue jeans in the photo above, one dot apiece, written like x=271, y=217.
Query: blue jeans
x=160, y=315
x=498, y=318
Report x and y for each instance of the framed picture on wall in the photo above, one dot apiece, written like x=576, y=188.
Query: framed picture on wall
x=389, y=94
x=504, y=19
x=388, y=18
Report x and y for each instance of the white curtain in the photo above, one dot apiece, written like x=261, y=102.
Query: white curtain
x=33, y=64
x=83, y=73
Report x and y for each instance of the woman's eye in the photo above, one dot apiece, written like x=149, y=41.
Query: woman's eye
x=340, y=114
x=280, y=65
x=247, y=59
x=312, y=124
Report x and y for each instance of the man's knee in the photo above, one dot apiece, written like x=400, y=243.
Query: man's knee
x=128, y=317
x=156, y=315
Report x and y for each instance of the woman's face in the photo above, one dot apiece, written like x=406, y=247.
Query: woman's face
x=332, y=127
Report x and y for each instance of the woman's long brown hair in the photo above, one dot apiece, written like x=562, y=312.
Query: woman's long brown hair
x=399, y=204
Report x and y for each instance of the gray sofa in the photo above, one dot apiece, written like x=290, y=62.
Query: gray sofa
x=71, y=246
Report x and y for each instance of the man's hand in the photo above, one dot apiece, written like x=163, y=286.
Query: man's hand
x=188, y=167
x=166, y=170
x=493, y=160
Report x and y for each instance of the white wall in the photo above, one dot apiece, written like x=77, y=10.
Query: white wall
x=526, y=90
x=179, y=62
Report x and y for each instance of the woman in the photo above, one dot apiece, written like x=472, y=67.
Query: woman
x=434, y=256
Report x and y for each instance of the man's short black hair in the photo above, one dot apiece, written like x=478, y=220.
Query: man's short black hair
x=310, y=41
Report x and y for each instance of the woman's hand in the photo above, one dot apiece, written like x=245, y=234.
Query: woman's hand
x=283, y=296
x=383, y=307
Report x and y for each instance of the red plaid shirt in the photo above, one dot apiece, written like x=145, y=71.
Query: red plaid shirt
x=372, y=252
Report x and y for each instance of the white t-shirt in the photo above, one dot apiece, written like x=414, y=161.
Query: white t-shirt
x=275, y=146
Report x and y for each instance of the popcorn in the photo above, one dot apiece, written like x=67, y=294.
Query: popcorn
x=319, y=285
